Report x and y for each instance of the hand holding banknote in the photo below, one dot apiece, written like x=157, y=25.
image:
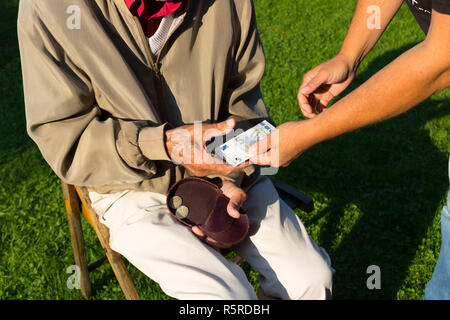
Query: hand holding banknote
x=237, y=150
x=186, y=146
x=283, y=145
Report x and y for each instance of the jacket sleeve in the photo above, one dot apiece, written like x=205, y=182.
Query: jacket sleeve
x=82, y=144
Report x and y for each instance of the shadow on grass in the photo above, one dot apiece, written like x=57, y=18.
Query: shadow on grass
x=379, y=188
x=14, y=139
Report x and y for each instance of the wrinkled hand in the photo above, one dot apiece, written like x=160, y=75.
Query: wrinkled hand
x=282, y=146
x=323, y=83
x=237, y=198
x=186, y=146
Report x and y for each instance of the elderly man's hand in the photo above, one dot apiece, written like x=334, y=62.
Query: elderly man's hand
x=186, y=146
x=237, y=198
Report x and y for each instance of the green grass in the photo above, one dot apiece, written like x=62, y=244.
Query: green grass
x=378, y=191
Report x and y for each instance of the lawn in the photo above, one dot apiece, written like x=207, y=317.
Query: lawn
x=378, y=191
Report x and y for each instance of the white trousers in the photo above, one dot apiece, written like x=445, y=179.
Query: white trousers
x=290, y=264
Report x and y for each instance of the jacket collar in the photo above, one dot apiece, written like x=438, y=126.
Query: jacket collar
x=123, y=6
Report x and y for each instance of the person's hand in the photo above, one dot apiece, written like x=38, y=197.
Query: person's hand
x=323, y=83
x=186, y=146
x=237, y=198
x=282, y=146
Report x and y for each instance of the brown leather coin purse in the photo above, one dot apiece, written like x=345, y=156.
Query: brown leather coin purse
x=197, y=202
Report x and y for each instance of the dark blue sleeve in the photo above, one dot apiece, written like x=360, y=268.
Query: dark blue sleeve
x=442, y=6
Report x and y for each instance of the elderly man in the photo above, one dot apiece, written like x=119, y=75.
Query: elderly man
x=108, y=84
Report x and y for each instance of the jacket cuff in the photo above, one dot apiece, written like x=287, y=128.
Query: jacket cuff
x=152, y=142
x=128, y=148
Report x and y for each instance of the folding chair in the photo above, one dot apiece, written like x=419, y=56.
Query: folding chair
x=77, y=202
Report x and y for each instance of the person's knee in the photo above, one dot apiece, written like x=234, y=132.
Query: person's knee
x=315, y=284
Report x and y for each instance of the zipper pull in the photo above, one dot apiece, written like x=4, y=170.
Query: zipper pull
x=156, y=69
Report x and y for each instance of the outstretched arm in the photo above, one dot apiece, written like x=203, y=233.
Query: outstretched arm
x=414, y=76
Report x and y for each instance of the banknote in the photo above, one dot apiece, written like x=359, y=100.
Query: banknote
x=236, y=150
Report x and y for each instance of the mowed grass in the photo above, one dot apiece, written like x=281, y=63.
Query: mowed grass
x=378, y=191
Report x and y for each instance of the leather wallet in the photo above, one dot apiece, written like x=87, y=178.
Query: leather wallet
x=199, y=202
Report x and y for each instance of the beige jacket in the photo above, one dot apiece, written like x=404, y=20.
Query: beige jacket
x=95, y=94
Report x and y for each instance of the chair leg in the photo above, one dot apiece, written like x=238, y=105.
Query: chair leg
x=122, y=275
x=76, y=234
x=115, y=259
x=116, y=262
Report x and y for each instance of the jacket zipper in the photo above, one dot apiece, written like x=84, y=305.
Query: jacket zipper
x=146, y=44
x=155, y=64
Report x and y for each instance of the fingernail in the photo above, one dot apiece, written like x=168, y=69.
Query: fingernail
x=235, y=214
x=230, y=122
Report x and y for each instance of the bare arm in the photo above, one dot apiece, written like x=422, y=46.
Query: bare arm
x=330, y=78
x=360, y=38
x=414, y=76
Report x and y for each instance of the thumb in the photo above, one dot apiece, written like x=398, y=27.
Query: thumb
x=264, y=159
x=261, y=146
x=233, y=210
x=320, y=78
x=218, y=129
x=225, y=126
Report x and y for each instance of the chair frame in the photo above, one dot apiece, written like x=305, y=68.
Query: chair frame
x=78, y=203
